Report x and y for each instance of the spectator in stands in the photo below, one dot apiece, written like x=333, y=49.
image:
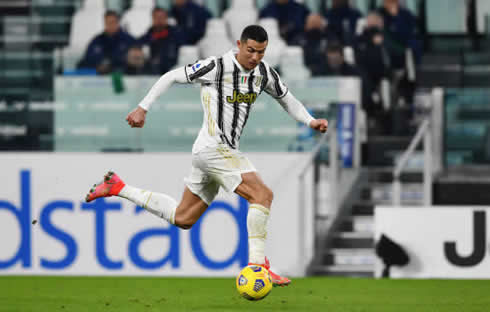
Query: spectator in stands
x=374, y=61
x=333, y=63
x=400, y=36
x=315, y=39
x=107, y=51
x=136, y=63
x=342, y=20
x=164, y=42
x=291, y=17
x=400, y=28
x=191, y=18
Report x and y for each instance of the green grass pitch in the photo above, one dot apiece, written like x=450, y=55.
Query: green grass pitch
x=119, y=294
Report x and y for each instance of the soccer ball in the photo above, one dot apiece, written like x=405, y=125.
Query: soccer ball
x=254, y=282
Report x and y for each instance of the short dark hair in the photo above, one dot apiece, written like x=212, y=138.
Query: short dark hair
x=254, y=32
x=111, y=13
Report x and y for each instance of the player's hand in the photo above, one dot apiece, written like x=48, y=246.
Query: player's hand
x=136, y=118
x=319, y=125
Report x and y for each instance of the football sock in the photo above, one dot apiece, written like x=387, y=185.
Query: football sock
x=257, y=232
x=161, y=205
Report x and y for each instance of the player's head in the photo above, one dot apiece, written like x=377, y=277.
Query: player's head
x=251, y=46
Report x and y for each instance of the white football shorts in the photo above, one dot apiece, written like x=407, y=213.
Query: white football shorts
x=215, y=167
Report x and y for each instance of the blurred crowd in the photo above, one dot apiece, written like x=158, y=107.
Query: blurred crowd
x=116, y=49
x=339, y=41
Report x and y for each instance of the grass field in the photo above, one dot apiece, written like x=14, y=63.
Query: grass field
x=73, y=294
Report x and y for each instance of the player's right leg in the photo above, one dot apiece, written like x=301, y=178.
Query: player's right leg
x=183, y=214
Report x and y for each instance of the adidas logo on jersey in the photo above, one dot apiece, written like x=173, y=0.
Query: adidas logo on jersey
x=238, y=97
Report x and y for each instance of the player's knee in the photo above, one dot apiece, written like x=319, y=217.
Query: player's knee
x=184, y=222
x=264, y=196
x=269, y=194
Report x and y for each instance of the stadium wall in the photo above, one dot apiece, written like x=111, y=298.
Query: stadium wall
x=115, y=237
x=442, y=242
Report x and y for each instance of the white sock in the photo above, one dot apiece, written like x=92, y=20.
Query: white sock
x=257, y=219
x=161, y=205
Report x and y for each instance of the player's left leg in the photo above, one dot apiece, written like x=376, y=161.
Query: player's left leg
x=159, y=204
x=183, y=214
x=260, y=197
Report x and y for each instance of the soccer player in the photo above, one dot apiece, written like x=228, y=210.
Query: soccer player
x=230, y=85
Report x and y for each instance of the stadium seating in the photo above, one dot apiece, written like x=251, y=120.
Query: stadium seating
x=137, y=19
x=451, y=43
x=476, y=76
x=452, y=15
x=361, y=5
x=440, y=70
x=215, y=40
x=164, y=4
x=240, y=14
x=313, y=5
x=188, y=54
x=261, y=4
x=292, y=65
x=483, y=12
x=214, y=7
x=276, y=43
x=86, y=24
x=114, y=5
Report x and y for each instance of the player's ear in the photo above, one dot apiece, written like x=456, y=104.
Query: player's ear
x=238, y=43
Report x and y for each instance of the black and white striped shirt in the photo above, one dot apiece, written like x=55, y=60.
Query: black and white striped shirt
x=228, y=92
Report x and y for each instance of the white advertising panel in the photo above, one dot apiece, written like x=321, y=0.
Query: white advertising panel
x=115, y=237
x=442, y=242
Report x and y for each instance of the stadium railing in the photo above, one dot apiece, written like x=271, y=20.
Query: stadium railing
x=430, y=132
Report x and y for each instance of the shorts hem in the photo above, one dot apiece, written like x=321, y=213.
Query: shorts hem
x=235, y=185
x=193, y=191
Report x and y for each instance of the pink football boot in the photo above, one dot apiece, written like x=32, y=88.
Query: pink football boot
x=111, y=186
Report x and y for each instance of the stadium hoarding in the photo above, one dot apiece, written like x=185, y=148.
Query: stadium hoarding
x=115, y=237
x=90, y=116
x=442, y=242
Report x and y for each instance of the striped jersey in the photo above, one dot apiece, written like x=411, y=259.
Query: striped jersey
x=228, y=92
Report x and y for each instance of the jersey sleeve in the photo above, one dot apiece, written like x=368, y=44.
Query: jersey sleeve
x=275, y=87
x=202, y=71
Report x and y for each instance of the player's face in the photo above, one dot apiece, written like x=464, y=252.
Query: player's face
x=250, y=53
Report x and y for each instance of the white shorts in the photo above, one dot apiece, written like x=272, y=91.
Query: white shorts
x=216, y=166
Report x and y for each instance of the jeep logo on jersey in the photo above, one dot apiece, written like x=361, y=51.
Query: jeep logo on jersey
x=238, y=97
